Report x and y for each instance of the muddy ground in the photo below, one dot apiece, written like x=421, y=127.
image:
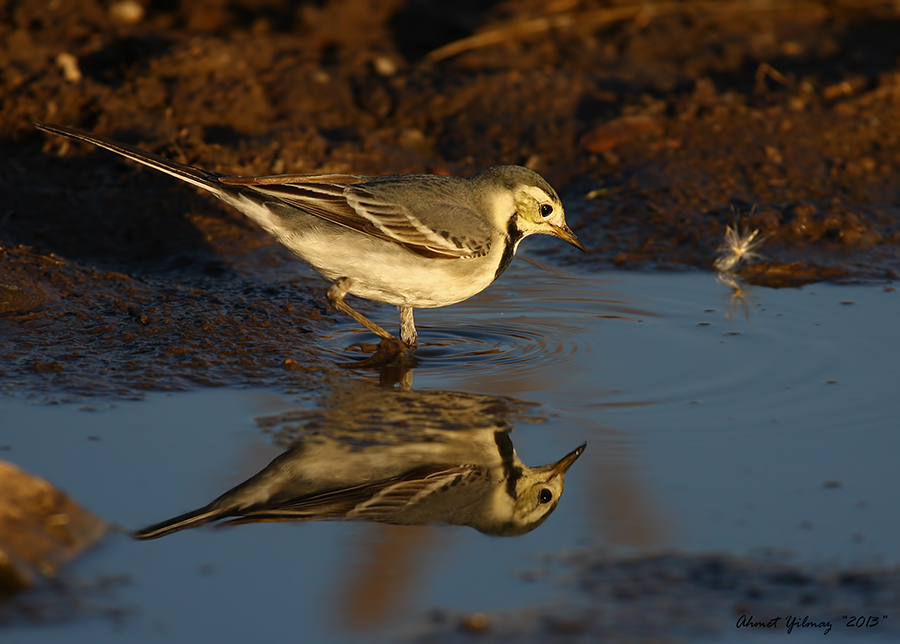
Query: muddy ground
x=657, y=122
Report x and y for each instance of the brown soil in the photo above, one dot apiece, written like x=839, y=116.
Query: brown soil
x=657, y=122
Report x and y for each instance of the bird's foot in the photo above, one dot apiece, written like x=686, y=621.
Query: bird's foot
x=390, y=352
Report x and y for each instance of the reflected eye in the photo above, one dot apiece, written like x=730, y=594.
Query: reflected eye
x=546, y=210
x=545, y=496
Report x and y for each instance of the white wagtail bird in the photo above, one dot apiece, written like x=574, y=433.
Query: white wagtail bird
x=413, y=241
x=468, y=478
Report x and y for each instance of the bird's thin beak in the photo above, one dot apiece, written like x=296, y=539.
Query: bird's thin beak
x=562, y=465
x=565, y=233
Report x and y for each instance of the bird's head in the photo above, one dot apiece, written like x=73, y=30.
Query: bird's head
x=524, y=204
x=537, y=493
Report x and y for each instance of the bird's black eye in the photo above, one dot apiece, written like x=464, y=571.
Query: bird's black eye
x=545, y=496
x=546, y=210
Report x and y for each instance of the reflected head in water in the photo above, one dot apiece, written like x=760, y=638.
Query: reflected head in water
x=468, y=477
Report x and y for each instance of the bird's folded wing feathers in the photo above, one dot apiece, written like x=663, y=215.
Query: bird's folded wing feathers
x=338, y=199
x=374, y=501
x=407, y=492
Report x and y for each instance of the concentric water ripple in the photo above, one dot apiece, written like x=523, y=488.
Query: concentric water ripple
x=533, y=318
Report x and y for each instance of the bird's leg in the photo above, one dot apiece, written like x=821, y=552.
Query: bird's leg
x=408, y=327
x=336, y=296
x=391, y=351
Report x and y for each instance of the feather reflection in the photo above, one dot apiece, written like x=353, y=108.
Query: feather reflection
x=396, y=457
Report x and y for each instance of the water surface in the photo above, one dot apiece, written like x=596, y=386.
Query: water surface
x=713, y=425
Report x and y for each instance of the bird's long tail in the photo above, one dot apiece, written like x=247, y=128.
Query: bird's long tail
x=181, y=522
x=200, y=178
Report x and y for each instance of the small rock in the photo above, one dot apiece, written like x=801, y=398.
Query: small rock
x=610, y=135
x=475, y=623
x=126, y=12
x=41, y=529
x=384, y=66
x=69, y=65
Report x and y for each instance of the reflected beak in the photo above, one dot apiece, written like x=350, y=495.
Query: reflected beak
x=565, y=233
x=562, y=465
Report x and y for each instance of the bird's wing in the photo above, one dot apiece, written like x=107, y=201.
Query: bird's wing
x=408, y=491
x=370, y=207
x=375, y=501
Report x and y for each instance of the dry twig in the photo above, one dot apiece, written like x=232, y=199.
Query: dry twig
x=641, y=13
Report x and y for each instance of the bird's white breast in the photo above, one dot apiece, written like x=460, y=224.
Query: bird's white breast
x=389, y=273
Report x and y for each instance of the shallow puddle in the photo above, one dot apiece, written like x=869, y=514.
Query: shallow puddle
x=744, y=426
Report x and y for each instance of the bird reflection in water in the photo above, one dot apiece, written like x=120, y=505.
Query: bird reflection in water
x=396, y=457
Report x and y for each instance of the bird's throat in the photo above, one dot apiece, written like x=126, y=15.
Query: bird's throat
x=511, y=471
x=510, y=243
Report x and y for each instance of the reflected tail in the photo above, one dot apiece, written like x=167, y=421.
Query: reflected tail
x=181, y=522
